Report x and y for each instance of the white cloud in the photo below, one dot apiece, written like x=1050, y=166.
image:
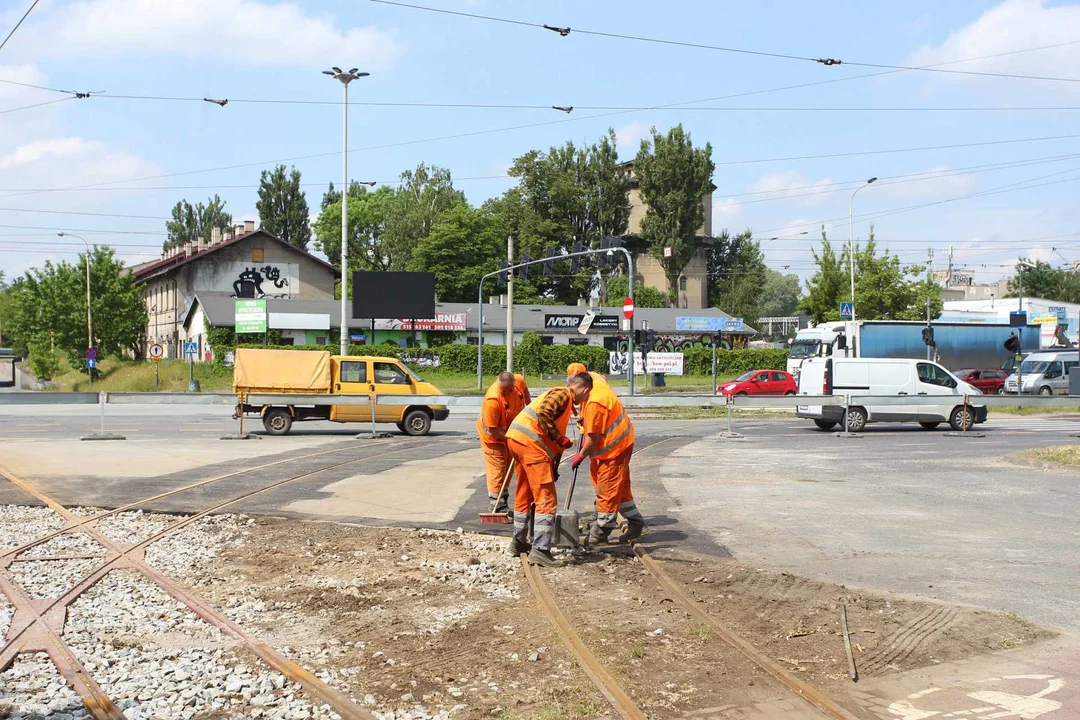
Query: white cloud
x=794, y=185
x=1012, y=25
x=245, y=31
x=628, y=137
x=78, y=161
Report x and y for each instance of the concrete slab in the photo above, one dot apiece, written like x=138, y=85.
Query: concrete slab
x=1038, y=682
x=431, y=490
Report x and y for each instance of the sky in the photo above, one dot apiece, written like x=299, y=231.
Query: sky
x=787, y=158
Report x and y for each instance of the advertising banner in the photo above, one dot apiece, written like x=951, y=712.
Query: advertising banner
x=657, y=362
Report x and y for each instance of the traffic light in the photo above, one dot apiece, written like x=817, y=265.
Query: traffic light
x=575, y=262
x=502, y=273
x=1012, y=344
x=610, y=259
x=928, y=335
x=549, y=262
x=522, y=273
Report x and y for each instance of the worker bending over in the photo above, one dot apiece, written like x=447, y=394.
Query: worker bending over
x=608, y=442
x=502, y=402
x=536, y=440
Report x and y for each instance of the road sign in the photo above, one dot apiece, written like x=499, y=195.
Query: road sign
x=1059, y=311
x=734, y=325
x=847, y=310
x=91, y=363
x=91, y=353
x=157, y=352
x=586, y=322
x=250, y=316
x=191, y=347
x=628, y=308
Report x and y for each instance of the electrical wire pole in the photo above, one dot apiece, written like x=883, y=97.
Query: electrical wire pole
x=509, y=305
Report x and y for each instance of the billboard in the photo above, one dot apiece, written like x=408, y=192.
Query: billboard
x=656, y=362
x=383, y=295
x=571, y=322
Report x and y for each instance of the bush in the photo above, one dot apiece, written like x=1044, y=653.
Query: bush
x=557, y=357
x=43, y=361
x=698, y=361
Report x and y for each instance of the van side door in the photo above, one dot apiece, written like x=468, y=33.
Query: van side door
x=352, y=379
x=390, y=379
x=1056, y=378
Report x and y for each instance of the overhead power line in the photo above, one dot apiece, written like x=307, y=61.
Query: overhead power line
x=565, y=31
x=82, y=230
x=25, y=15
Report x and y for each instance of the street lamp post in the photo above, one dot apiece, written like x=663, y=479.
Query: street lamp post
x=345, y=78
x=851, y=264
x=89, y=322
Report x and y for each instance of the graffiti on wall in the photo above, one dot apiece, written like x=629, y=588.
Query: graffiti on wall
x=681, y=343
x=255, y=282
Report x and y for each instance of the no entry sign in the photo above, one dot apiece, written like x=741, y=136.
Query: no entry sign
x=628, y=308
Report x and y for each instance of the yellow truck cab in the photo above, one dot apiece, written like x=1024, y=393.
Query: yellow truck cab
x=309, y=374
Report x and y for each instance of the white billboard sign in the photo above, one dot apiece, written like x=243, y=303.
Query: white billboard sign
x=656, y=362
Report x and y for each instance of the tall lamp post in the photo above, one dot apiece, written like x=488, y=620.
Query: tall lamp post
x=89, y=323
x=345, y=78
x=851, y=241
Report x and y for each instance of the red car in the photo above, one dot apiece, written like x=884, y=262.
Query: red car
x=760, y=382
x=989, y=381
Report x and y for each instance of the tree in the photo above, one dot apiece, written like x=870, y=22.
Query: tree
x=1043, y=281
x=368, y=246
x=673, y=178
x=193, y=222
x=736, y=273
x=644, y=296
x=48, y=309
x=460, y=249
x=425, y=196
x=780, y=294
x=282, y=206
x=827, y=286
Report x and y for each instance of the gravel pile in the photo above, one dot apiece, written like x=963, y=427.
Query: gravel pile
x=33, y=688
x=20, y=524
x=158, y=660
x=84, y=511
x=189, y=554
x=44, y=579
x=133, y=526
x=6, y=613
x=77, y=543
x=486, y=569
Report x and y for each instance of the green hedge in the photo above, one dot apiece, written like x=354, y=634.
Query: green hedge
x=555, y=358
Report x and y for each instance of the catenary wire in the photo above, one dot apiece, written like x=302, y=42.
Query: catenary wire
x=25, y=15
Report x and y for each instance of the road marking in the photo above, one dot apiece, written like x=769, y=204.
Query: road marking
x=992, y=703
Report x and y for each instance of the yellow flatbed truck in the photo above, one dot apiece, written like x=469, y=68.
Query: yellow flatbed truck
x=306, y=382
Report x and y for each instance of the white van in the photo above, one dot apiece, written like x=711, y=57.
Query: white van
x=857, y=377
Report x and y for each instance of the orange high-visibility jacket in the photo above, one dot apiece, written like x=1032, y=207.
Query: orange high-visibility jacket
x=498, y=408
x=604, y=414
x=526, y=426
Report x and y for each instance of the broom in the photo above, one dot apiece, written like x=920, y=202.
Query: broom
x=494, y=518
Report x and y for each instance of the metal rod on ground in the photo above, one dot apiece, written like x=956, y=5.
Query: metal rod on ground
x=714, y=364
x=101, y=401
x=729, y=402
x=965, y=421
x=852, y=672
x=847, y=411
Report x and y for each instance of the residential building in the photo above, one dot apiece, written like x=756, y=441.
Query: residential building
x=240, y=262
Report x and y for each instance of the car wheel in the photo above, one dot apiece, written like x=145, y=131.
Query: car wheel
x=856, y=419
x=741, y=394
x=825, y=424
x=789, y=393
x=929, y=425
x=401, y=427
x=417, y=422
x=1001, y=390
x=277, y=421
x=962, y=418
x=1045, y=391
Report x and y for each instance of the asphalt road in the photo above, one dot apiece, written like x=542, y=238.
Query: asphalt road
x=900, y=509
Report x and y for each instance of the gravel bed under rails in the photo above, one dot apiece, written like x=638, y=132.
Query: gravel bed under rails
x=20, y=524
x=70, y=543
x=33, y=688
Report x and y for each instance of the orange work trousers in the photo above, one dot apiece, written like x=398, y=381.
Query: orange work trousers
x=611, y=480
x=496, y=460
x=535, y=484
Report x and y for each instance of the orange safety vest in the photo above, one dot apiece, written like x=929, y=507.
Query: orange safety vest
x=618, y=433
x=522, y=387
x=509, y=407
x=526, y=426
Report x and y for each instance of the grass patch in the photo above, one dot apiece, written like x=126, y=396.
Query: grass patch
x=1029, y=410
x=1063, y=454
x=114, y=375
x=637, y=651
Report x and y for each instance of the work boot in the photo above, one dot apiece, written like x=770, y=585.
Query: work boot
x=517, y=547
x=633, y=531
x=543, y=558
x=597, y=535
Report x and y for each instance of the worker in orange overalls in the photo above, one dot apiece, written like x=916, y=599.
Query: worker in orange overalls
x=502, y=402
x=536, y=440
x=522, y=388
x=608, y=442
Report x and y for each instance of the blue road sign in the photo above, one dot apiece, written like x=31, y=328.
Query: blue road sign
x=191, y=347
x=847, y=310
x=91, y=353
x=91, y=363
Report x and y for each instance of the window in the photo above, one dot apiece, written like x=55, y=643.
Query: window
x=682, y=283
x=390, y=374
x=547, y=339
x=762, y=377
x=1054, y=371
x=354, y=372
x=779, y=377
x=256, y=254
x=287, y=341
x=933, y=375
x=320, y=340
x=578, y=341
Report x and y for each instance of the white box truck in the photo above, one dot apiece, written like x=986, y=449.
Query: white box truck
x=880, y=377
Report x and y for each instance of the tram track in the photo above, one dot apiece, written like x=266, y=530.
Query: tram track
x=37, y=626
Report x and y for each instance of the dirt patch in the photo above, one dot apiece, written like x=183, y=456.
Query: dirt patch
x=444, y=620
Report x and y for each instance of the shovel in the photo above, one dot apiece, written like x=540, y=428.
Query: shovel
x=566, y=520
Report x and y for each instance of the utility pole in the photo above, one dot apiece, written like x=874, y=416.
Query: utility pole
x=345, y=78
x=929, y=280
x=510, y=305
x=89, y=322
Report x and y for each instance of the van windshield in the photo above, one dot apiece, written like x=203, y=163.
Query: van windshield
x=1034, y=367
x=801, y=349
